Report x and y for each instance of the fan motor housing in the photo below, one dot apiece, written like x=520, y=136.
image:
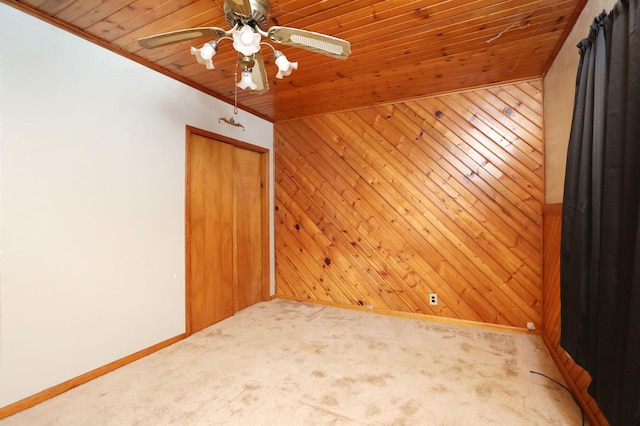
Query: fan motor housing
x=260, y=11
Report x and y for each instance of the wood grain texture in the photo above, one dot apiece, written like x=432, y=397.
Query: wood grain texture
x=227, y=227
x=576, y=377
x=248, y=215
x=381, y=206
x=211, y=263
x=400, y=49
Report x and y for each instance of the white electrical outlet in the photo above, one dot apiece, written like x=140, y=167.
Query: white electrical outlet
x=433, y=298
x=531, y=326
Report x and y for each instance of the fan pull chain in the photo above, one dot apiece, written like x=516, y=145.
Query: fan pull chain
x=235, y=91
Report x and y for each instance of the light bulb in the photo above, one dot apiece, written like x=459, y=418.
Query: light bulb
x=246, y=36
x=246, y=40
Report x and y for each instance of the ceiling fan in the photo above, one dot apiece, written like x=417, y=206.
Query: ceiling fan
x=248, y=21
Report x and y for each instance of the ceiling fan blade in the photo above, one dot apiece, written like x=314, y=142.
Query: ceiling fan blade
x=242, y=7
x=315, y=42
x=164, y=39
x=259, y=74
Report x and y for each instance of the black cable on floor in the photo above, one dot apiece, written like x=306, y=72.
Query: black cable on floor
x=568, y=390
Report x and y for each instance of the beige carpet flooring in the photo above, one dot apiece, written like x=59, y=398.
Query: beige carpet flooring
x=289, y=363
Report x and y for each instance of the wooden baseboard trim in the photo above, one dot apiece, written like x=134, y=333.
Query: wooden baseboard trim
x=411, y=315
x=552, y=209
x=577, y=393
x=56, y=390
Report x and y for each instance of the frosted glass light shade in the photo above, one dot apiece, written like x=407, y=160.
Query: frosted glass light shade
x=285, y=67
x=205, y=53
x=247, y=81
x=246, y=40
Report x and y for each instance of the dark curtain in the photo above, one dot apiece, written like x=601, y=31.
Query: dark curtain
x=600, y=248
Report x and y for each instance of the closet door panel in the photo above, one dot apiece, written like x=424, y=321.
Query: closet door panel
x=210, y=240
x=248, y=247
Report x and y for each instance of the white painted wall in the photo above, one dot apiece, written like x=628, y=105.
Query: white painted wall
x=559, y=91
x=92, y=153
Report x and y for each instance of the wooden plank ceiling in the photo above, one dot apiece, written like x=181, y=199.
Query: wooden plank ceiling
x=402, y=49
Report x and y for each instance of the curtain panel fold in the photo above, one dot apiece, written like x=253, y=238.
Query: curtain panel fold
x=600, y=248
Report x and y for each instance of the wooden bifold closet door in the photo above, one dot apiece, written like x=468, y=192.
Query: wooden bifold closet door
x=225, y=235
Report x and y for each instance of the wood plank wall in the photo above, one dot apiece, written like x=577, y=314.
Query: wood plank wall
x=382, y=206
x=576, y=377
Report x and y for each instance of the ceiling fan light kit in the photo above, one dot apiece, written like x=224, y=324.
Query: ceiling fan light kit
x=246, y=82
x=248, y=19
x=205, y=54
x=246, y=40
x=285, y=67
